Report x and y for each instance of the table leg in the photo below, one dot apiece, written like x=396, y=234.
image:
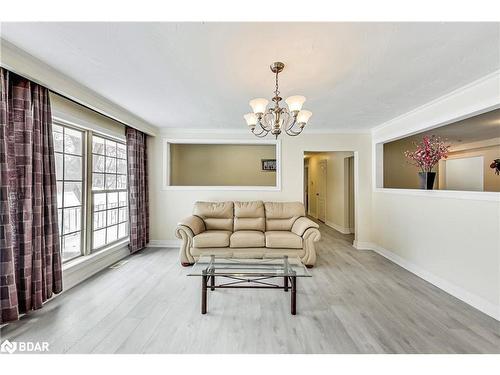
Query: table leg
x=285, y=283
x=293, y=280
x=212, y=282
x=204, y=294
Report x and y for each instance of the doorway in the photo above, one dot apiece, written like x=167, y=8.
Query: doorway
x=329, y=188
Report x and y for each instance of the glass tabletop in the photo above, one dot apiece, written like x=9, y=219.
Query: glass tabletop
x=221, y=266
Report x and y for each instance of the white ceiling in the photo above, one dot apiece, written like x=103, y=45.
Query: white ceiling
x=202, y=75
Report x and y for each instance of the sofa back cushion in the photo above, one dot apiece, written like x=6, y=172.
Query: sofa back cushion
x=282, y=215
x=216, y=215
x=249, y=216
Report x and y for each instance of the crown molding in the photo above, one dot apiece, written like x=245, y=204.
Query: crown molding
x=239, y=132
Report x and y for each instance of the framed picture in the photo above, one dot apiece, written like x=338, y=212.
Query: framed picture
x=269, y=165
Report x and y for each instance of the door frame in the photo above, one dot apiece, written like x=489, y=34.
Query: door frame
x=356, y=180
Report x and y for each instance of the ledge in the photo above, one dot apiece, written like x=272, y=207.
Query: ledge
x=81, y=268
x=450, y=194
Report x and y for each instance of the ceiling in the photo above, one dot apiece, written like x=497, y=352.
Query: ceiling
x=202, y=75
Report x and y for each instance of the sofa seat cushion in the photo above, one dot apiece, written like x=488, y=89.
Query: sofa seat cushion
x=247, y=238
x=212, y=238
x=283, y=239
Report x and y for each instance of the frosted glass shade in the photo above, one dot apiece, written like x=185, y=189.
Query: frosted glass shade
x=303, y=116
x=259, y=105
x=251, y=119
x=295, y=102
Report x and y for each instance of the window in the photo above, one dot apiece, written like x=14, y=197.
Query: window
x=109, y=192
x=69, y=155
x=98, y=202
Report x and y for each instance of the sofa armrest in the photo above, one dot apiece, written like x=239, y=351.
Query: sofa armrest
x=195, y=223
x=302, y=224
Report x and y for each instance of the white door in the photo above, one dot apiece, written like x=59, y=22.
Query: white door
x=321, y=192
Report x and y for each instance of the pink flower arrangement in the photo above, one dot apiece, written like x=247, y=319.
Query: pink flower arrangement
x=428, y=153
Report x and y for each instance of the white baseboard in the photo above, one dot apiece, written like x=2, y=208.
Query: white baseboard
x=164, y=243
x=471, y=299
x=339, y=228
x=361, y=245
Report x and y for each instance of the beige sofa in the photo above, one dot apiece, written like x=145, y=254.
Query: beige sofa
x=248, y=230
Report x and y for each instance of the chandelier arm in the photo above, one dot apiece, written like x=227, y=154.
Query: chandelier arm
x=262, y=134
x=292, y=124
x=292, y=132
x=265, y=127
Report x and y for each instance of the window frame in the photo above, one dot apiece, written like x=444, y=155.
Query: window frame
x=91, y=192
x=83, y=205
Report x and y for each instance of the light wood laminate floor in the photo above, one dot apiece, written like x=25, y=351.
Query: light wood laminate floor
x=356, y=302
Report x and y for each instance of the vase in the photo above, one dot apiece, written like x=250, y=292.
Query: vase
x=427, y=180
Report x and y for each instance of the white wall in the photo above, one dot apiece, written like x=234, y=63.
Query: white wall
x=452, y=239
x=168, y=206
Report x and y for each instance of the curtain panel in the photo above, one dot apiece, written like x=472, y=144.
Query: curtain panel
x=138, y=197
x=30, y=254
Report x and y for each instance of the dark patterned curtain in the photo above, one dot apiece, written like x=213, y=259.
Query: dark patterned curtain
x=137, y=170
x=30, y=256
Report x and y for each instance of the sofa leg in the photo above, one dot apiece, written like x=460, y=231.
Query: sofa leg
x=184, y=264
x=309, y=266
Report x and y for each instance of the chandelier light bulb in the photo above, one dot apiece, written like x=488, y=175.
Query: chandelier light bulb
x=251, y=119
x=259, y=105
x=295, y=102
x=303, y=116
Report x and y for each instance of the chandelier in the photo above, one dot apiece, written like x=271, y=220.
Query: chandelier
x=276, y=119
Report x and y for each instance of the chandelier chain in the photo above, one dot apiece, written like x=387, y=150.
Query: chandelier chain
x=276, y=92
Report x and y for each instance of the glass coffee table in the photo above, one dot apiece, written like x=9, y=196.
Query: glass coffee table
x=249, y=273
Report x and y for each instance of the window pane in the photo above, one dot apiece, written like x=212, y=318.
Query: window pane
x=59, y=193
x=73, y=141
x=57, y=128
x=72, y=194
x=122, y=216
x=121, y=151
x=97, y=163
x=121, y=166
x=112, y=234
x=121, y=182
x=99, y=201
x=58, y=141
x=113, y=217
x=97, y=181
x=110, y=182
x=71, y=246
x=99, y=238
x=59, y=166
x=111, y=165
x=110, y=148
x=122, y=200
x=97, y=145
x=100, y=220
x=72, y=219
x=72, y=167
x=122, y=230
x=112, y=200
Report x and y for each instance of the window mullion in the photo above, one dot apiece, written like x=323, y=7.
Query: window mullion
x=88, y=194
